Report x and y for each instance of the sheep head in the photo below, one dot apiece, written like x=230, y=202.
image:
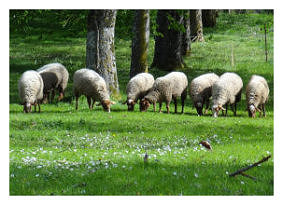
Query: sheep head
x=27, y=107
x=106, y=104
x=131, y=104
x=144, y=105
x=199, y=107
x=252, y=110
x=216, y=109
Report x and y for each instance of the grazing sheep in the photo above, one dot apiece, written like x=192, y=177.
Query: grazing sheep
x=30, y=88
x=165, y=88
x=55, y=76
x=89, y=83
x=201, y=89
x=226, y=90
x=137, y=88
x=257, y=92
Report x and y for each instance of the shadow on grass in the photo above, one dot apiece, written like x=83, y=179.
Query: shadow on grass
x=136, y=178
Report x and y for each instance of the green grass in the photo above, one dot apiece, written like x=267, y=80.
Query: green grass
x=62, y=151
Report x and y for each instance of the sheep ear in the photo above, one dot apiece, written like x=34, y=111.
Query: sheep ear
x=113, y=103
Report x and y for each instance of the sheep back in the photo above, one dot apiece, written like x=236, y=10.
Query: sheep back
x=54, y=75
x=257, y=91
x=201, y=87
x=89, y=83
x=139, y=85
x=227, y=89
x=30, y=87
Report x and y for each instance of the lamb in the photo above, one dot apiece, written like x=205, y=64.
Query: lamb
x=165, y=88
x=137, y=88
x=226, y=90
x=89, y=83
x=55, y=76
x=201, y=89
x=30, y=88
x=257, y=92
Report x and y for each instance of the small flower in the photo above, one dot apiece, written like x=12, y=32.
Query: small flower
x=37, y=175
x=12, y=175
x=196, y=175
x=267, y=152
x=242, y=182
x=227, y=172
x=175, y=173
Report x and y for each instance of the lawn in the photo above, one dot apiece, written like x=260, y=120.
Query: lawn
x=63, y=151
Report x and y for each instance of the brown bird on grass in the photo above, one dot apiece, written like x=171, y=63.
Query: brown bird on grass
x=206, y=145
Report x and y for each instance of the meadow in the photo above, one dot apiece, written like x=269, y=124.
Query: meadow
x=63, y=151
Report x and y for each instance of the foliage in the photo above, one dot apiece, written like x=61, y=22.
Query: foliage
x=62, y=151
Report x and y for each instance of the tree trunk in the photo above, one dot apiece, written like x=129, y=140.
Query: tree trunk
x=100, y=49
x=186, y=39
x=209, y=18
x=168, y=44
x=140, y=43
x=196, y=25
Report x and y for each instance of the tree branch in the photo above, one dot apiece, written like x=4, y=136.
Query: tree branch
x=249, y=167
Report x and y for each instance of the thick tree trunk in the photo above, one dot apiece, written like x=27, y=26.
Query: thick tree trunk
x=196, y=25
x=167, y=53
x=140, y=43
x=209, y=18
x=100, y=49
x=186, y=38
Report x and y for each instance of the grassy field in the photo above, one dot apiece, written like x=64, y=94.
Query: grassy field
x=62, y=151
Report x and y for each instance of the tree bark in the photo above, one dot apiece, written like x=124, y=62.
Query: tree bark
x=186, y=39
x=209, y=18
x=140, y=43
x=196, y=25
x=167, y=52
x=100, y=49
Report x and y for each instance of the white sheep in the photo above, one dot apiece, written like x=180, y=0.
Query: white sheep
x=89, y=83
x=165, y=88
x=137, y=88
x=30, y=88
x=257, y=92
x=226, y=90
x=201, y=90
x=55, y=77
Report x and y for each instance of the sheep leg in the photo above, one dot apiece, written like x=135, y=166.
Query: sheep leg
x=183, y=98
x=38, y=107
x=61, y=93
x=154, y=106
x=263, y=109
x=77, y=102
x=93, y=101
x=167, y=107
x=53, y=95
x=175, y=102
x=89, y=102
x=160, y=106
x=206, y=106
x=34, y=105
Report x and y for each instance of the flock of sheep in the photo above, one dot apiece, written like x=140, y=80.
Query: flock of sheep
x=36, y=86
